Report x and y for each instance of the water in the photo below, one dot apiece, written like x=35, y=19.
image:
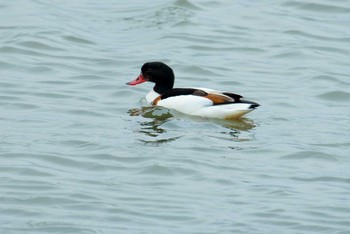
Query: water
x=82, y=153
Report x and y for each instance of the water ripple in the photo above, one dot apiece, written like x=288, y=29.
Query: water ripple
x=82, y=153
x=335, y=96
x=310, y=155
x=319, y=8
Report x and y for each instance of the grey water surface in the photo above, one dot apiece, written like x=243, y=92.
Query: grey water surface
x=81, y=152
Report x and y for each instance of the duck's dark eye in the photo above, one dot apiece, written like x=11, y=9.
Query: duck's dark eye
x=148, y=71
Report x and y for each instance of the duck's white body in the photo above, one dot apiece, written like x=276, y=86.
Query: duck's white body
x=200, y=106
x=192, y=101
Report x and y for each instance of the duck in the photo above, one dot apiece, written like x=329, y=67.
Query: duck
x=202, y=102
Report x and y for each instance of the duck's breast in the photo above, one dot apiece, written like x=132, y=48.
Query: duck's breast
x=151, y=96
x=188, y=104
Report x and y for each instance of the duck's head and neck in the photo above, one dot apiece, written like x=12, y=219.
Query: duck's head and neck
x=157, y=72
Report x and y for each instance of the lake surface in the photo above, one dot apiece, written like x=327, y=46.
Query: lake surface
x=81, y=152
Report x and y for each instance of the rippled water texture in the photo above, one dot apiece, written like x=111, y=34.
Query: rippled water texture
x=81, y=152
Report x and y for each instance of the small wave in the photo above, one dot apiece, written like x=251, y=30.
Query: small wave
x=39, y=46
x=304, y=155
x=318, y=7
x=78, y=40
x=187, y=4
x=335, y=96
x=310, y=35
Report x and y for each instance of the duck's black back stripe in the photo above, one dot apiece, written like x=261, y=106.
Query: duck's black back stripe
x=236, y=97
x=183, y=91
x=217, y=99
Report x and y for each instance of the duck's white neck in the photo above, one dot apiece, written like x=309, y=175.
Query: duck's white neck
x=151, y=96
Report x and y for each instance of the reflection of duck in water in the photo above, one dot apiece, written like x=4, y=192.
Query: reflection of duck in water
x=151, y=126
x=154, y=132
x=153, y=112
x=159, y=116
x=192, y=101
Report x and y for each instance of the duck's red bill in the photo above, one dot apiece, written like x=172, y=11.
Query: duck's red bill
x=140, y=79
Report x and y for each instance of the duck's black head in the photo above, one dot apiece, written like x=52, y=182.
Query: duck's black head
x=157, y=72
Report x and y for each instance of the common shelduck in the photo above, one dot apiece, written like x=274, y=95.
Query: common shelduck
x=192, y=101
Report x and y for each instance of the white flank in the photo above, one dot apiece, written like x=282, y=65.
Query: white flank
x=199, y=106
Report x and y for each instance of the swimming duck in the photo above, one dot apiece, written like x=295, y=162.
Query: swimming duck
x=201, y=102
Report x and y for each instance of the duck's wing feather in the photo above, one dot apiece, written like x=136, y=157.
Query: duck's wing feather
x=218, y=98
